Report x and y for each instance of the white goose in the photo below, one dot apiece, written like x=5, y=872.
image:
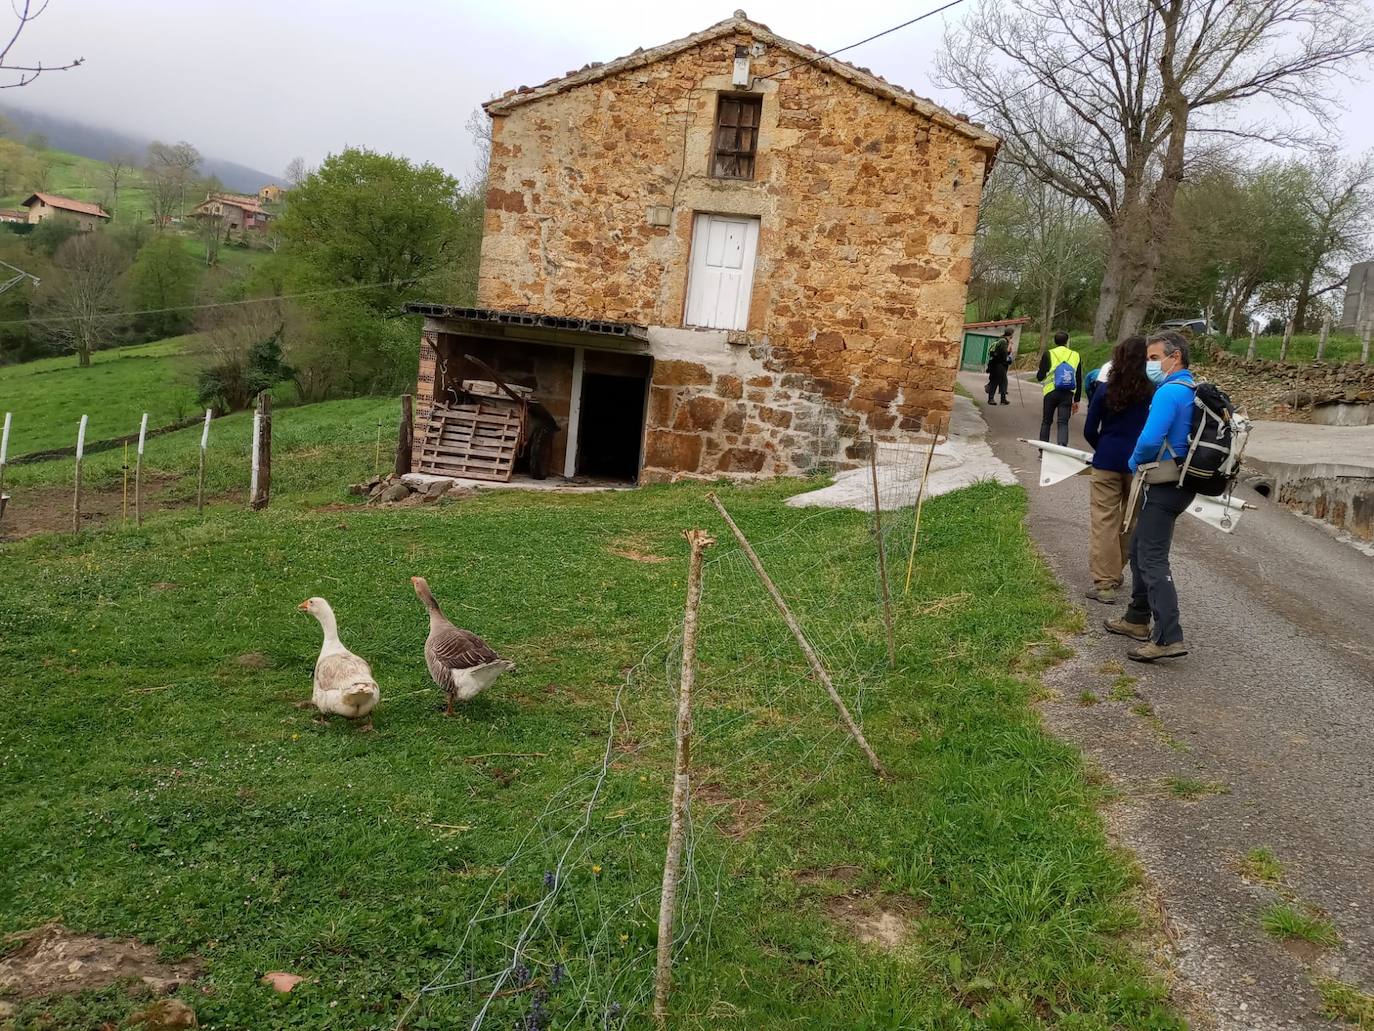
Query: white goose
x=343, y=681
x=460, y=662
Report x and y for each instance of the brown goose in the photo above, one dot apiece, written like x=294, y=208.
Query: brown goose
x=460, y=662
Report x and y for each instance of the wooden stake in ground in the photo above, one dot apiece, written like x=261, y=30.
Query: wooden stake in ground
x=138, y=471
x=261, y=493
x=1287, y=340
x=882, y=552
x=1325, y=336
x=1364, y=343
x=1254, y=340
x=920, y=500
x=699, y=540
x=802, y=642
x=4, y=454
x=125, y=469
x=200, y=472
x=405, y=437
x=76, y=495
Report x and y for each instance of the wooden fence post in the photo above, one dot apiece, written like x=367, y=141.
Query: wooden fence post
x=1254, y=339
x=699, y=540
x=138, y=471
x=920, y=500
x=76, y=494
x=124, y=499
x=1364, y=343
x=405, y=438
x=882, y=552
x=1325, y=336
x=4, y=453
x=200, y=472
x=1287, y=340
x=261, y=492
x=811, y=657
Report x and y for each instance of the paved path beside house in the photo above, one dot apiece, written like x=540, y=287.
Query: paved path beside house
x=1275, y=706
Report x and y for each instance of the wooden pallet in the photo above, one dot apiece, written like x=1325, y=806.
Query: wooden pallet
x=478, y=440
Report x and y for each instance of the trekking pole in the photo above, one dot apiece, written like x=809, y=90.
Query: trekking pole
x=1018, y=392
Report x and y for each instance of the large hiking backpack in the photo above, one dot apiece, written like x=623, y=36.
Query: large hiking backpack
x=1065, y=376
x=1216, y=443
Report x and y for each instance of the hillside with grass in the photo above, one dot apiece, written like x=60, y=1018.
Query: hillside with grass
x=47, y=398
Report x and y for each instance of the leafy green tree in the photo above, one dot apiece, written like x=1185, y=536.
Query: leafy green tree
x=164, y=276
x=376, y=231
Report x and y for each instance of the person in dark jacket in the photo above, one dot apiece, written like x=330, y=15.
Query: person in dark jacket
x=1164, y=440
x=998, y=363
x=1117, y=410
x=1060, y=401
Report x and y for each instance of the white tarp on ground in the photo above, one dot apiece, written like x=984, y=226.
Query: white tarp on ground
x=960, y=461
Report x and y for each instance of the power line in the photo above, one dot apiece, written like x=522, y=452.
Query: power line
x=393, y=283
x=870, y=39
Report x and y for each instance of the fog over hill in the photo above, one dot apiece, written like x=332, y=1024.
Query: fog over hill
x=93, y=141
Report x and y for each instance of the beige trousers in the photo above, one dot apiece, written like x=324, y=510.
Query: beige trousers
x=1109, y=549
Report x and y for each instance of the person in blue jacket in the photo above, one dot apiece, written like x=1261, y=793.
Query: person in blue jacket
x=1116, y=414
x=1163, y=440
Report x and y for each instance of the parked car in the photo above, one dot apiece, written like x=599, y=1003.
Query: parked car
x=1198, y=327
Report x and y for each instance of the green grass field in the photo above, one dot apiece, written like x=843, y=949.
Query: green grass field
x=83, y=178
x=159, y=784
x=317, y=450
x=48, y=397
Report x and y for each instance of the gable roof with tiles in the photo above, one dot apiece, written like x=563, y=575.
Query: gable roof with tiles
x=860, y=77
x=53, y=200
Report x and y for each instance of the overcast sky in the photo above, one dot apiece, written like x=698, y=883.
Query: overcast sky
x=260, y=81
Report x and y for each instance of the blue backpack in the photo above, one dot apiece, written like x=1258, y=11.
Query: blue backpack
x=1065, y=377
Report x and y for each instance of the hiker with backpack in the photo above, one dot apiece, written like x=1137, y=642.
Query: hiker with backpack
x=1064, y=389
x=998, y=363
x=1116, y=415
x=1163, y=443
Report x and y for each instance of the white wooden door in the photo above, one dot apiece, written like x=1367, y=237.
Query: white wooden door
x=722, y=271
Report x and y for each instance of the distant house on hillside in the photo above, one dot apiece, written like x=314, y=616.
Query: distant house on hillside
x=43, y=206
x=10, y=215
x=236, y=212
x=270, y=194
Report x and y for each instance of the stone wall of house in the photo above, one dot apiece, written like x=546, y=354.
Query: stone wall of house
x=867, y=212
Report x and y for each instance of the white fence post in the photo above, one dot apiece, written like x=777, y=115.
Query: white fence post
x=138, y=471
x=200, y=475
x=76, y=495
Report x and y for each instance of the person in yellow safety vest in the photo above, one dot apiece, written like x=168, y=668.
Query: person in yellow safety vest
x=1061, y=370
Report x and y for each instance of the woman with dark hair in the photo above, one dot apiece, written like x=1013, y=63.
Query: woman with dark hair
x=1116, y=415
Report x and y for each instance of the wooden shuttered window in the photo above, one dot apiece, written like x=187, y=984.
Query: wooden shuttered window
x=737, y=136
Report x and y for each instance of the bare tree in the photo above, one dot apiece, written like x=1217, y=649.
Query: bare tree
x=1338, y=201
x=15, y=75
x=1103, y=98
x=176, y=161
x=117, y=170
x=163, y=190
x=81, y=298
x=297, y=171
x=480, y=132
x=212, y=233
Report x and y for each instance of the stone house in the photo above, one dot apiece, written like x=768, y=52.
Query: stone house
x=43, y=206
x=233, y=211
x=726, y=255
x=270, y=194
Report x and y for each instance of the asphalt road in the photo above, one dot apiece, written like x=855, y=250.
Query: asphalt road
x=1274, y=705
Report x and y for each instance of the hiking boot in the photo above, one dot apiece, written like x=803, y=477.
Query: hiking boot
x=1150, y=651
x=1106, y=595
x=1124, y=627
x=1005, y=401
